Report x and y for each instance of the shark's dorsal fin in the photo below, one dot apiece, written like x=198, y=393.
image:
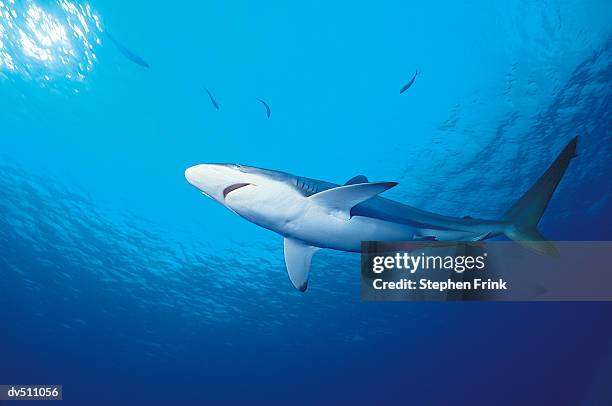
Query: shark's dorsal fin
x=356, y=179
x=340, y=200
x=297, y=260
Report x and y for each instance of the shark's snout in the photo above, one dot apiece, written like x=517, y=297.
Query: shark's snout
x=204, y=177
x=211, y=179
x=191, y=174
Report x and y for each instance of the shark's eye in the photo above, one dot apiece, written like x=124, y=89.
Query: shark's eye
x=233, y=187
x=238, y=167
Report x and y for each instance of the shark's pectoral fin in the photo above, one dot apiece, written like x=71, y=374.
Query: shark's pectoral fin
x=340, y=200
x=297, y=259
x=356, y=179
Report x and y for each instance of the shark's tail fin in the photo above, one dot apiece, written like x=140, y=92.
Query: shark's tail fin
x=524, y=216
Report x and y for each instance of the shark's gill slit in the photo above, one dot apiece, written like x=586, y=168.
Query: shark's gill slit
x=233, y=187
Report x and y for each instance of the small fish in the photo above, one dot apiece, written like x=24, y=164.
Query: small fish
x=407, y=85
x=212, y=99
x=127, y=53
x=268, y=111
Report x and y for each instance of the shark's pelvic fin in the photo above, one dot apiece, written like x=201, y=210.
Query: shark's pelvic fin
x=340, y=200
x=356, y=179
x=298, y=256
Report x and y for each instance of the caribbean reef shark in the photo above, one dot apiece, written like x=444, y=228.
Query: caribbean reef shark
x=312, y=214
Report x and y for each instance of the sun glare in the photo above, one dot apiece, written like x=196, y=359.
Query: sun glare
x=47, y=42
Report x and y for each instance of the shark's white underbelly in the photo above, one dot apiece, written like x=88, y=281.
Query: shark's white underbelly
x=298, y=218
x=330, y=231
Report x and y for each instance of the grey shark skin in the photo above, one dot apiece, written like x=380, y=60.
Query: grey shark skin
x=312, y=214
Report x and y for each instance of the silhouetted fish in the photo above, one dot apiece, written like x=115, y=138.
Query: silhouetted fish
x=127, y=53
x=407, y=85
x=212, y=99
x=268, y=111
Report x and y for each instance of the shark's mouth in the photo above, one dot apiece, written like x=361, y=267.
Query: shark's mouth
x=233, y=187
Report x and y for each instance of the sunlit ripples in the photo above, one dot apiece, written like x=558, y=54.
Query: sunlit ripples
x=45, y=41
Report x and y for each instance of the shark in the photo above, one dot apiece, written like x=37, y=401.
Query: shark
x=312, y=214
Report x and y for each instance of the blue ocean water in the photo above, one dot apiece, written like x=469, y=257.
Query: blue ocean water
x=127, y=286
